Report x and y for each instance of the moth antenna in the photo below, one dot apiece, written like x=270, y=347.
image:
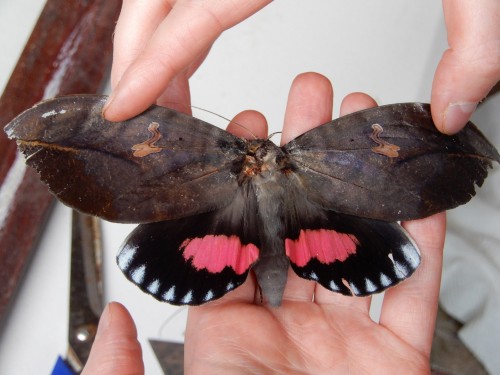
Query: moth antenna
x=272, y=135
x=220, y=116
x=246, y=129
x=169, y=319
x=212, y=113
x=225, y=118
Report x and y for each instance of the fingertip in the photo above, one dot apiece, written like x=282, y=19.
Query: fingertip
x=120, y=106
x=356, y=101
x=450, y=115
x=118, y=317
x=140, y=86
x=467, y=71
x=456, y=117
x=248, y=124
x=115, y=349
x=310, y=103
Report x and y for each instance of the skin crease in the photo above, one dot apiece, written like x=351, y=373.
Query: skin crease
x=160, y=43
x=332, y=334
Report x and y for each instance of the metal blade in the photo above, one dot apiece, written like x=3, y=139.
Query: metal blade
x=170, y=355
x=86, y=295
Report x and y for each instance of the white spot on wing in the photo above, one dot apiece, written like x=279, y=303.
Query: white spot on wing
x=154, y=286
x=334, y=286
x=370, y=286
x=125, y=257
x=411, y=254
x=50, y=113
x=138, y=274
x=401, y=270
x=188, y=297
x=208, y=296
x=354, y=289
x=169, y=295
x=384, y=280
x=313, y=276
x=229, y=286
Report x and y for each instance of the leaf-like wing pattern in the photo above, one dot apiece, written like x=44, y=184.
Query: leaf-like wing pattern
x=156, y=166
x=390, y=163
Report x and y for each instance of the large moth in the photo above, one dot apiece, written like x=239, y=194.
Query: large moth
x=212, y=206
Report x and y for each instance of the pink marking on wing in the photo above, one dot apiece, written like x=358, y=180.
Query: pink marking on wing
x=214, y=253
x=326, y=245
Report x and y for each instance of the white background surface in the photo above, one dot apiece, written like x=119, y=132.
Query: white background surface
x=388, y=49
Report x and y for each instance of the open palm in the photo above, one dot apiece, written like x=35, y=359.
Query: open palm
x=316, y=331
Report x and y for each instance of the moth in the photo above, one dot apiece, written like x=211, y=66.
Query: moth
x=211, y=206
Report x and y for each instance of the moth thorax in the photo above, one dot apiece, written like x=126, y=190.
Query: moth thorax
x=261, y=158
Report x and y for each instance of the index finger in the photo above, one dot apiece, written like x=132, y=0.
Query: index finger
x=184, y=35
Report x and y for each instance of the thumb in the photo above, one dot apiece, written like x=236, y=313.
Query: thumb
x=115, y=349
x=471, y=66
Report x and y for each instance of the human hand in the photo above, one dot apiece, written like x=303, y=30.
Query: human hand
x=115, y=349
x=471, y=66
x=333, y=333
x=159, y=44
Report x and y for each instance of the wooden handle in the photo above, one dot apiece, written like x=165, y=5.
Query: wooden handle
x=69, y=51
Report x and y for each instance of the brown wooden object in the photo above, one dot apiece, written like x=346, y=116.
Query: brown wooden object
x=69, y=51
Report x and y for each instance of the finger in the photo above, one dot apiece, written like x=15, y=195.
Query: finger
x=248, y=124
x=409, y=310
x=136, y=24
x=177, y=95
x=310, y=103
x=190, y=28
x=357, y=101
x=115, y=349
x=471, y=65
x=351, y=103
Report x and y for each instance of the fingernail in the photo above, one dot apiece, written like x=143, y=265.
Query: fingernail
x=104, y=321
x=457, y=115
